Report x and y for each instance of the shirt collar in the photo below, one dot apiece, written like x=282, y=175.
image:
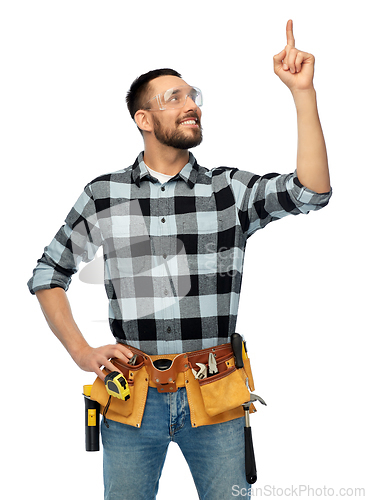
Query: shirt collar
x=188, y=173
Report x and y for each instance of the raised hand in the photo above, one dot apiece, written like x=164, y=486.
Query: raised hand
x=294, y=67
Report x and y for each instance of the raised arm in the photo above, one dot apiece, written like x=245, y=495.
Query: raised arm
x=296, y=69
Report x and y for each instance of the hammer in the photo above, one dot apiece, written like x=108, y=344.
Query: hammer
x=250, y=467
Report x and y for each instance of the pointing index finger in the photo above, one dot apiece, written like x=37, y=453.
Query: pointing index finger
x=290, y=34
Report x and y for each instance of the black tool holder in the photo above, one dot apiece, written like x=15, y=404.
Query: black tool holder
x=92, y=411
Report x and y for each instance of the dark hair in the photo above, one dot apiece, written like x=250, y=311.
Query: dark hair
x=137, y=95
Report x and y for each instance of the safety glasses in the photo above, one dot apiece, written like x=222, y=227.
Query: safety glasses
x=175, y=98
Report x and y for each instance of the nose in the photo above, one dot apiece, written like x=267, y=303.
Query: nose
x=190, y=105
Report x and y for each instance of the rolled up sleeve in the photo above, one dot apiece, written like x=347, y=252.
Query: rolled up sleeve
x=76, y=241
x=263, y=199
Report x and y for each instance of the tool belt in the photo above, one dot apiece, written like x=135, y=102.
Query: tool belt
x=217, y=398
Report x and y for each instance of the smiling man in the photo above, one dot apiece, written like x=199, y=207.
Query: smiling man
x=174, y=98
x=168, y=135
x=174, y=236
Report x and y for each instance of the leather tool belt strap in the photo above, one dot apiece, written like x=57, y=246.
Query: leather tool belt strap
x=217, y=398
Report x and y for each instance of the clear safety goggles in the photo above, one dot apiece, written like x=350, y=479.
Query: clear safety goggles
x=175, y=98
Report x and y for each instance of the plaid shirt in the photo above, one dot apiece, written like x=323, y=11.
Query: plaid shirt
x=173, y=253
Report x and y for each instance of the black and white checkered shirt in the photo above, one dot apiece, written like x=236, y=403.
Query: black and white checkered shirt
x=173, y=253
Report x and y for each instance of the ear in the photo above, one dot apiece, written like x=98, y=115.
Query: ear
x=143, y=120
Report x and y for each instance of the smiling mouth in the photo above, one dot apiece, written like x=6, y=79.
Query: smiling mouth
x=189, y=123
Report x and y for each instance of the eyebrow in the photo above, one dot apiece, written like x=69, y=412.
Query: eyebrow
x=175, y=91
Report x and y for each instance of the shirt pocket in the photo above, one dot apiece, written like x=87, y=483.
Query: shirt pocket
x=128, y=248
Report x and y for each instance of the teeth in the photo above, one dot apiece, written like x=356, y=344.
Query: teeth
x=190, y=122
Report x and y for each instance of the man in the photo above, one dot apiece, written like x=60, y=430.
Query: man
x=139, y=215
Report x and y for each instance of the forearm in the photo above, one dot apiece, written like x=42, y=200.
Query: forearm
x=312, y=161
x=57, y=311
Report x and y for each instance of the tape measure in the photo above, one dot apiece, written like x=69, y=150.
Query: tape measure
x=117, y=386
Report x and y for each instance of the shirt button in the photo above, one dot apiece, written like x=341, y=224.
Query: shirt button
x=163, y=220
x=164, y=256
x=163, y=188
x=165, y=292
x=168, y=329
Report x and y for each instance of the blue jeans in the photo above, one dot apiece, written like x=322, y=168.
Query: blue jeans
x=133, y=458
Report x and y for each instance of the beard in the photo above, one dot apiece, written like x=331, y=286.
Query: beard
x=177, y=139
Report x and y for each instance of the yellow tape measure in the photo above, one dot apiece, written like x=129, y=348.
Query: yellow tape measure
x=117, y=386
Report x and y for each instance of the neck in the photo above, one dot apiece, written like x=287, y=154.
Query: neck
x=165, y=160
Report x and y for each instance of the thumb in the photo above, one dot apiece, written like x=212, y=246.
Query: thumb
x=278, y=58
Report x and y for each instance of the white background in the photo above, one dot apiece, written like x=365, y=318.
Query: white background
x=65, y=69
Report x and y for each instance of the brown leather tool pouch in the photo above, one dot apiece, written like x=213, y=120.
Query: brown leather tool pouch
x=167, y=380
x=226, y=390
x=220, y=397
x=131, y=411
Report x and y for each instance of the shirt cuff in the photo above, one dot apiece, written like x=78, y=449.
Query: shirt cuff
x=307, y=196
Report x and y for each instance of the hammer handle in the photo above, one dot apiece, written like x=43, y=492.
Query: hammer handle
x=250, y=467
